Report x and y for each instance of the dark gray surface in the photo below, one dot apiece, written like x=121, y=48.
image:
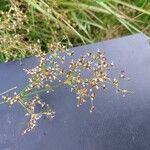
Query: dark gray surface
x=117, y=123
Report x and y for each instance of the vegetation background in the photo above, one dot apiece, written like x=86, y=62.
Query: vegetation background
x=28, y=27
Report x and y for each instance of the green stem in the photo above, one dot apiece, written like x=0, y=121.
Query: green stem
x=36, y=92
x=42, y=90
x=24, y=106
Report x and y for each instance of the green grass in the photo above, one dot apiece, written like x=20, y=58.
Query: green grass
x=69, y=22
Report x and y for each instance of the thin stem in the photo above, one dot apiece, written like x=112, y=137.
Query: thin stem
x=42, y=90
x=37, y=92
x=22, y=104
x=8, y=91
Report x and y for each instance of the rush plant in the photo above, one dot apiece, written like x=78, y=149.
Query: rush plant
x=27, y=27
x=50, y=74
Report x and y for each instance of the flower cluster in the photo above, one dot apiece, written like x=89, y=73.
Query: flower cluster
x=98, y=66
x=14, y=36
x=13, y=19
x=35, y=116
x=85, y=76
x=30, y=108
x=46, y=71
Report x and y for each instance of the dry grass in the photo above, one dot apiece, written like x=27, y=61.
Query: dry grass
x=28, y=27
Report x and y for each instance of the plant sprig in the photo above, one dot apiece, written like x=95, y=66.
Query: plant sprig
x=49, y=74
